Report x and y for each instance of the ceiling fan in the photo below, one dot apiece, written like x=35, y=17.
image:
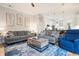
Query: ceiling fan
x=32, y=4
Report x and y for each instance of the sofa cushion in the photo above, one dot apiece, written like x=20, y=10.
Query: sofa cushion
x=67, y=44
x=71, y=36
x=75, y=31
x=20, y=33
x=15, y=33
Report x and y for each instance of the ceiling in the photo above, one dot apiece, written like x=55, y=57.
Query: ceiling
x=44, y=8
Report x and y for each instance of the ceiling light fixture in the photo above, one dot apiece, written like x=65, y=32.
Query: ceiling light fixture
x=32, y=4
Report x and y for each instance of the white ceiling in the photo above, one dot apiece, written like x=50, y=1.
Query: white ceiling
x=44, y=8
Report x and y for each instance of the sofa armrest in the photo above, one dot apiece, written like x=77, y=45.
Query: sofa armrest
x=76, y=45
x=61, y=37
x=76, y=41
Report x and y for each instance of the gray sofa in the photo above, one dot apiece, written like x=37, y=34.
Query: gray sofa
x=52, y=37
x=17, y=36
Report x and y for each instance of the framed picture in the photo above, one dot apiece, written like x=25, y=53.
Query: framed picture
x=27, y=21
x=24, y=21
x=19, y=19
x=10, y=18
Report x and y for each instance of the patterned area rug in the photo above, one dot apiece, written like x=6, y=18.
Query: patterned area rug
x=22, y=49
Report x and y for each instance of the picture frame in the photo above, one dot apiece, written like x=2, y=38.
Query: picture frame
x=10, y=18
x=19, y=19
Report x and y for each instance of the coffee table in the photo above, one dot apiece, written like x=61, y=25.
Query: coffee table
x=39, y=44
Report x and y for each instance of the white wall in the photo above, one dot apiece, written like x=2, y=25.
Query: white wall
x=2, y=20
x=35, y=23
x=59, y=20
x=8, y=20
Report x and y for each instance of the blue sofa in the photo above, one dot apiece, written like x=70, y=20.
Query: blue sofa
x=70, y=41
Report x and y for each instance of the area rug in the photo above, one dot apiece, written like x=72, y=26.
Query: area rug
x=22, y=49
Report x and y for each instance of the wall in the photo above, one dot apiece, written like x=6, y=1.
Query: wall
x=60, y=20
x=12, y=20
x=2, y=20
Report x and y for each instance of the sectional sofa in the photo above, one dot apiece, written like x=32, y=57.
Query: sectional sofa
x=70, y=41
